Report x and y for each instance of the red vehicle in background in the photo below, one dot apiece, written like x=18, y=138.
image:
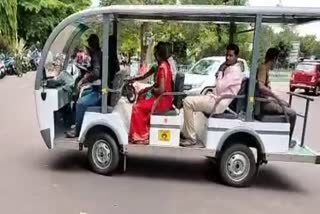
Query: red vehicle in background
x=306, y=76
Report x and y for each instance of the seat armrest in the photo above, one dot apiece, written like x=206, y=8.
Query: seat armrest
x=156, y=102
x=223, y=98
x=300, y=96
x=265, y=100
x=206, y=88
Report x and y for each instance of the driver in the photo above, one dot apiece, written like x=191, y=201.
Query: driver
x=94, y=73
x=93, y=77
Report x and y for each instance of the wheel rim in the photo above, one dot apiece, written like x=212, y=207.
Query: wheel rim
x=102, y=154
x=238, y=166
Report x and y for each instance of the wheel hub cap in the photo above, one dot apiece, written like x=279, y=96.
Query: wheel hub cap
x=102, y=153
x=238, y=166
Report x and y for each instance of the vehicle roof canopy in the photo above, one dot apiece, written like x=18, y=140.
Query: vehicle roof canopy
x=294, y=15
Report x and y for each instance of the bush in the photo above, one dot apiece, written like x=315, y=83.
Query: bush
x=19, y=52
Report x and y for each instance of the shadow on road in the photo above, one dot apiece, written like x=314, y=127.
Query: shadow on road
x=185, y=170
x=69, y=161
x=270, y=177
x=190, y=170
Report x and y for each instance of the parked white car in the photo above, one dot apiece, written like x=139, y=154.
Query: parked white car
x=203, y=73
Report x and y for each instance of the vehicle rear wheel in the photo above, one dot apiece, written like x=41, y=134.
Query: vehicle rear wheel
x=103, y=154
x=292, y=89
x=307, y=91
x=237, y=166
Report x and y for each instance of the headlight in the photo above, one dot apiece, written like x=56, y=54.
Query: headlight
x=292, y=77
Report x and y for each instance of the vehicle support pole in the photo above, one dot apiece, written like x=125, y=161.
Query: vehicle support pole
x=290, y=100
x=254, y=66
x=105, y=57
x=305, y=123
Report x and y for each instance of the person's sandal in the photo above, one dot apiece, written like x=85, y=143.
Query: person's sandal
x=188, y=143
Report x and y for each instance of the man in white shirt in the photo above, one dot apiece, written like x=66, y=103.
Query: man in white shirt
x=228, y=82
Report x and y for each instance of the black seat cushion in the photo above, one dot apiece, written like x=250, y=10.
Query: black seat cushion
x=225, y=115
x=271, y=118
x=98, y=109
x=171, y=112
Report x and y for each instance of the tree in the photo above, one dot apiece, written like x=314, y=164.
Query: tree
x=8, y=21
x=43, y=16
x=200, y=39
x=310, y=46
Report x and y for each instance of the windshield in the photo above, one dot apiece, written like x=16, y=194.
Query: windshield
x=305, y=67
x=57, y=52
x=205, y=66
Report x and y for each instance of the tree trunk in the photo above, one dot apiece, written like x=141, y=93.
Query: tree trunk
x=144, y=47
x=232, y=32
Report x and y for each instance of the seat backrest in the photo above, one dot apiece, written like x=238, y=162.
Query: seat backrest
x=239, y=104
x=178, y=87
x=113, y=98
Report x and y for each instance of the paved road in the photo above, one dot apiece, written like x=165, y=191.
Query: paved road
x=36, y=180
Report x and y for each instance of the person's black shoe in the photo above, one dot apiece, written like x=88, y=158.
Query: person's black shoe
x=292, y=144
x=182, y=137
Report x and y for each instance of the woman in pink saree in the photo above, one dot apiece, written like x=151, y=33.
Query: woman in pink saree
x=141, y=110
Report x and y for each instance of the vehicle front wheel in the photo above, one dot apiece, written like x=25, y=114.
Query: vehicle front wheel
x=103, y=154
x=237, y=166
x=292, y=89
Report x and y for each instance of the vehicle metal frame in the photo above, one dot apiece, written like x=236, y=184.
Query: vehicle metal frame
x=189, y=13
x=257, y=15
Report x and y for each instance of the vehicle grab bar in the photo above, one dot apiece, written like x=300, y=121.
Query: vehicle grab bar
x=306, y=112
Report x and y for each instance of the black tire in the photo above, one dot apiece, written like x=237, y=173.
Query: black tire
x=131, y=94
x=307, y=91
x=2, y=75
x=292, y=89
x=105, y=143
x=241, y=155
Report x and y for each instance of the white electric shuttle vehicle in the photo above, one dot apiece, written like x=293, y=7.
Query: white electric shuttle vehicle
x=240, y=140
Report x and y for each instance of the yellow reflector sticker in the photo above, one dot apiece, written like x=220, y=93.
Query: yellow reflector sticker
x=164, y=135
x=104, y=91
